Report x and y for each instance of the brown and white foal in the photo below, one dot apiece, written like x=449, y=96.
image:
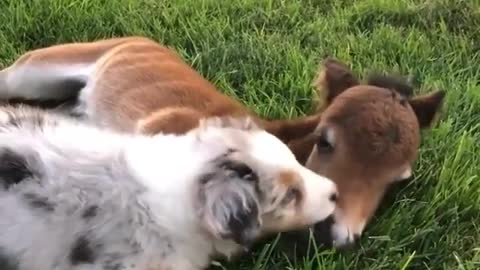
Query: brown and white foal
x=365, y=138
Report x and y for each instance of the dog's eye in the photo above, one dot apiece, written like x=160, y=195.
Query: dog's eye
x=250, y=177
x=242, y=170
x=245, y=172
x=293, y=194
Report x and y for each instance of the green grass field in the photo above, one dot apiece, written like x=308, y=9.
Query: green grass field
x=266, y=53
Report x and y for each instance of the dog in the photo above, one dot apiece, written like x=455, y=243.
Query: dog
x=75, y=196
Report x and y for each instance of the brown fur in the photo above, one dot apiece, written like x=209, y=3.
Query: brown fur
x=141, y=86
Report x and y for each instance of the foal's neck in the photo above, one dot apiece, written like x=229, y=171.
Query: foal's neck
x=297, y=133
x=291, y=129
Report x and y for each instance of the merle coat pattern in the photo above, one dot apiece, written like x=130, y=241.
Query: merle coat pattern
x=77, y=197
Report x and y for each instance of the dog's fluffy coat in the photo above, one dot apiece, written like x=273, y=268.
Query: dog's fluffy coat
x=77, y=197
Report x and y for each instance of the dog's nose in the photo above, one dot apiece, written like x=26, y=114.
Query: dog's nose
x=333, y=197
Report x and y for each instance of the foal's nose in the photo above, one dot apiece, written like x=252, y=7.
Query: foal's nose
x=356, y=238
x=352, y=244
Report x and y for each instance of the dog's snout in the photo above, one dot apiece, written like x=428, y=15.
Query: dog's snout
x=320, y=196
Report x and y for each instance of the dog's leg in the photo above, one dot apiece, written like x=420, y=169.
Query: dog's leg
x=54, y=73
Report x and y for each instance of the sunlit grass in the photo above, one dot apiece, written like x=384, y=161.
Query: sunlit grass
x=266, y=54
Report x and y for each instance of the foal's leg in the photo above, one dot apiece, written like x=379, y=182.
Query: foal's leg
x=54, y=73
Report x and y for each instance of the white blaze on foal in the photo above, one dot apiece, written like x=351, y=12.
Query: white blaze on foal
x=75, y=196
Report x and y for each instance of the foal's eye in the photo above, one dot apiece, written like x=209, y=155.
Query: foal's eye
x=293, y=194
x=323, y=145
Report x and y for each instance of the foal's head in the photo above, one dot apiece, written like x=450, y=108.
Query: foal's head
x=367, y=138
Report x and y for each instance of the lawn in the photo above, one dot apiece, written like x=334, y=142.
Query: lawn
x=266, y=54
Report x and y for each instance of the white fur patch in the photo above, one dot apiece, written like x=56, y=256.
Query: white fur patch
x=407, y=173
x=318, y=192
x=4, y=117
x=330, y=136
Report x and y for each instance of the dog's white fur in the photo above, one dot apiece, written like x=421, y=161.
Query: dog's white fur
x=162, y=202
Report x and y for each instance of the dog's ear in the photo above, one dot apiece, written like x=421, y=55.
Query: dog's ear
x=230, y=208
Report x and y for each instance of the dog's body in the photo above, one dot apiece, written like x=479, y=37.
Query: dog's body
x=77, y=197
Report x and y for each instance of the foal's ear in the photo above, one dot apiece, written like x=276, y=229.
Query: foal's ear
x=427, y=107
x=230, y=209
x=333, y=78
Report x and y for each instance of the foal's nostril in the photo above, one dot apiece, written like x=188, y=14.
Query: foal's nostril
x=333, y=197
x=356, y=237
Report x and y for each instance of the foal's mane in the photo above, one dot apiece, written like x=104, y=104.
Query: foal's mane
x=395, y=83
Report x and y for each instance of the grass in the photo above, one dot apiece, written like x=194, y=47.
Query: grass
x=266, y=53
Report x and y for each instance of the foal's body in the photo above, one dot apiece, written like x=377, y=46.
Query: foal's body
x=130, y=85
x=366, y=137
x=77, y=197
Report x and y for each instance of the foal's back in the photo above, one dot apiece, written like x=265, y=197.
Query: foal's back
x=129, y=84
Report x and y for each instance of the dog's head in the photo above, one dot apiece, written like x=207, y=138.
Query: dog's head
x=256, y=186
